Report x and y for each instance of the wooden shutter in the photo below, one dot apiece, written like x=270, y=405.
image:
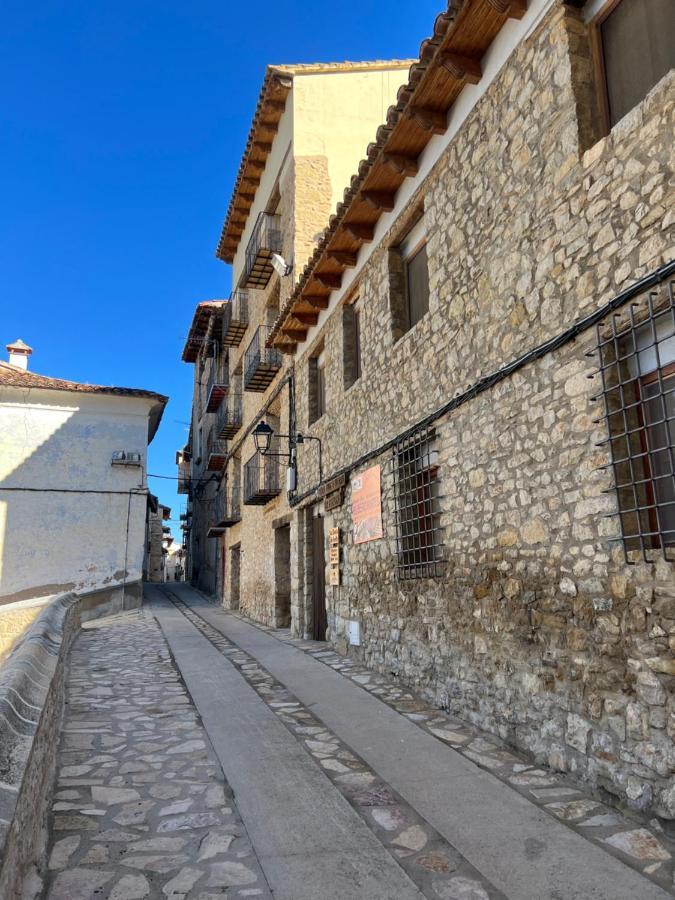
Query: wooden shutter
x=418, y=285
x=638, y=49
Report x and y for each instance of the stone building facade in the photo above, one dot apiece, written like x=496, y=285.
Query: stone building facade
x=308, y=130
x=524, y=612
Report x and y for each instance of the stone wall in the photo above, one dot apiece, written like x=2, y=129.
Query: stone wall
x=538, y=631
x=31, y=699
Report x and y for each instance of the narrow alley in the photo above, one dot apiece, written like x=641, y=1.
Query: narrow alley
x=202, y=756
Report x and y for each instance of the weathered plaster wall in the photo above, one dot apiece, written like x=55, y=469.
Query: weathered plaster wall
x=50, y=542
x=335, y=117
x=539, y=630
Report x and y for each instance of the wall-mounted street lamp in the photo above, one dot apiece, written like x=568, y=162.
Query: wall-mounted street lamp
x=262, y=437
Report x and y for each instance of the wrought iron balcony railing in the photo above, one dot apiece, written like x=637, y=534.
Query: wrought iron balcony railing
x=264, y=242
x=226, y=512
x=235, y=318
x=261, y=363
x=216, y=454
x=218, y=383
x=261, y=480
x=230, y=417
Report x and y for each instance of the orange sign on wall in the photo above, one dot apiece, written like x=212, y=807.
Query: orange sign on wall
x=367, y=506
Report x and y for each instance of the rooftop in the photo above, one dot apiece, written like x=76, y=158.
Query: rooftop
x=275, y=89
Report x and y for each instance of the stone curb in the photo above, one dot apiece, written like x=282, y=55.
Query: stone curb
x=31, y=699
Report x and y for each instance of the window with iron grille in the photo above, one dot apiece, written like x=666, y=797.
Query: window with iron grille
x=416, y=488
x=637, y=364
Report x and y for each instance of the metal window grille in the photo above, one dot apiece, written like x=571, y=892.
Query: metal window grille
x=637, y=365
x=416, y=484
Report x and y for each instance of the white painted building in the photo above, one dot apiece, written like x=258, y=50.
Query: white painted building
x=73, y=490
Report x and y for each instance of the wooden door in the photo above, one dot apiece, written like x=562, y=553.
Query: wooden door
x=320, y=621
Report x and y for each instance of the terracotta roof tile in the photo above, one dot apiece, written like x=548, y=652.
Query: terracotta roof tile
x=13, y=376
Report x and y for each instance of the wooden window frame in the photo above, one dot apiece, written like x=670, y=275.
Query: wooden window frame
x=316, y=369
x=598, y=58
x=407, y=259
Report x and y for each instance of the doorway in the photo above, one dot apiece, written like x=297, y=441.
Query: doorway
x=282, y=576
x=319, y=617
x=235, y=576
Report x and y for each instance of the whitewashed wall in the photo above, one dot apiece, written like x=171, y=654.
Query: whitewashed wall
x=56, y=541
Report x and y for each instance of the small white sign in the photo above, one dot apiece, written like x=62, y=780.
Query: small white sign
x=354, y=634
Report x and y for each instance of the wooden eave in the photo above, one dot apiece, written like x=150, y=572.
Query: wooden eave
x=200, y=327
x=271, y=104
x=449, y=59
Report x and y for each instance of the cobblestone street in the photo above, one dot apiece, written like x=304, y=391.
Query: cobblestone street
x=337, y=782
x=141, y=808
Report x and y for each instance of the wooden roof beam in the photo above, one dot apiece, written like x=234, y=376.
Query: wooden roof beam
x=305, y=318
x=463, y=68
x=246, y=198
x=403, y=165
x=296, y=335
x=276, y=105
x=251, y=179
x=380, y=200
x=331, y=280
x=514, y=9
x=433, y=120
x=318, y=301
x=264, y=146
x=257, y=164
x=270, y=126
x=360, y=231
x=343, y=258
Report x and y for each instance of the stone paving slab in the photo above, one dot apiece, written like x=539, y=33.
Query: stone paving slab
x=437, y=868
x=141, y=808
x=637, y=844
x=311, y=843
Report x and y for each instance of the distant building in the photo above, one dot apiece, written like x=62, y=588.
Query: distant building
x=174, y=569
x=157, y=539
x=309, y=131
x=73, y=491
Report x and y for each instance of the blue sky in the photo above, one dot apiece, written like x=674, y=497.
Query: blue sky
x=121, y=130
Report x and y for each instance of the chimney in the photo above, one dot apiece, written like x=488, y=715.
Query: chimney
x=18, y=354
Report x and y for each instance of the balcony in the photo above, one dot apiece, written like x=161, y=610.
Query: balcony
x=226, y=512
x=216, y=454
x=261, y=364
x=261, y=480
x=183, y=482
x=264, y=242
x=235, y=319
x=217, y=385
x=230, y=417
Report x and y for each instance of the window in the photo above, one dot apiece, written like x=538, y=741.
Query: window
x=409, y=281
x=317, y=387
x=638, y=375
x=633, y=49
x=351, y=343
x=416, y=482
